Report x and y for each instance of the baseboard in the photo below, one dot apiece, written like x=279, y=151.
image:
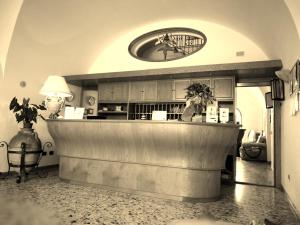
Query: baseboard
x=49, y=167
x=293, y=207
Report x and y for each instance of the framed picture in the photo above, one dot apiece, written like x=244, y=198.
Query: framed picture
x=269, y=101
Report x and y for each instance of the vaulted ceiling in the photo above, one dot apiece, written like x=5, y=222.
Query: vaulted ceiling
x=68, y=35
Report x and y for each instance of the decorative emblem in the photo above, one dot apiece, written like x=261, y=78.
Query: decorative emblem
x=167, y=44
x=91, y=100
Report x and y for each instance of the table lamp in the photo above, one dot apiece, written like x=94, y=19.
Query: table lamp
x=56, y=90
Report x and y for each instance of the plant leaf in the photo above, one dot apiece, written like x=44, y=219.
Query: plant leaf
x=42, y=107
x=17, y=108
x=26, y=102
x=13, y=103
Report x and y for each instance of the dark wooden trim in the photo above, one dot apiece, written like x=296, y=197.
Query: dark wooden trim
x=253, y=84
x=264, y=70
x=277, y=144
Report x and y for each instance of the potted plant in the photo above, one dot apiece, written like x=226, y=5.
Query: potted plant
x=198, y=96
x=26, y=113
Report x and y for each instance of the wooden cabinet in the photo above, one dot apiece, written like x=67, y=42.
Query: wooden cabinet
x=136, y=91
x=150, y=91
x=120, y=91
x=143, y=91
x=206, y=81
x=105, y=91
x=223, y=88
x=165, y=90
x=180, y=89
x=114, y=91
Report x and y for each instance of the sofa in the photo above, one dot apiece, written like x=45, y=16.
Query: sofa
x=255, y=149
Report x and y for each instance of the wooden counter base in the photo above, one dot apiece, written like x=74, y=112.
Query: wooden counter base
x=172, y=159
x=203, y=185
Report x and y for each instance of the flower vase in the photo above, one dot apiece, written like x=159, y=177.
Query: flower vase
x=33, y=144
x=197, y=118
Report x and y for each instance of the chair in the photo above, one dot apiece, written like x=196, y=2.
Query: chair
x=239, y=141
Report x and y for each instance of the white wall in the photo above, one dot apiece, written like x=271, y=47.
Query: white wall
x=290, y=150
x=294, y=7
x=290, y=142
x=250, y=101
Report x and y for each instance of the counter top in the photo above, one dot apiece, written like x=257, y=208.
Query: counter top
x=146, y=121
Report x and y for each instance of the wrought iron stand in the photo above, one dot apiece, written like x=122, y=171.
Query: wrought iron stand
x=22, y=172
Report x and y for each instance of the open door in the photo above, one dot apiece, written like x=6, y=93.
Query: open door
x=255, y=163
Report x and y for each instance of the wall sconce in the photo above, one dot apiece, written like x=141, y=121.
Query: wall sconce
x=277, y=89
x=56, y=90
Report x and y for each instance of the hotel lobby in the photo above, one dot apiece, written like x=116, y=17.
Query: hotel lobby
x=149, y=112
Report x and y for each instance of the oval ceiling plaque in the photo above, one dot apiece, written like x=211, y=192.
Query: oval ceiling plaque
x=167, y=44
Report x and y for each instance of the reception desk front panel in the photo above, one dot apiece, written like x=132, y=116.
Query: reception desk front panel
x=172, y=159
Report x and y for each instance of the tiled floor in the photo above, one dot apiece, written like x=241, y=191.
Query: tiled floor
x=254, y=172
x=50, y=201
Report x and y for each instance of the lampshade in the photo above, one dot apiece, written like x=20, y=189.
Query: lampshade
x=55, y=86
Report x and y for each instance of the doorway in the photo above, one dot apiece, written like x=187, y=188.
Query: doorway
x=254, y=161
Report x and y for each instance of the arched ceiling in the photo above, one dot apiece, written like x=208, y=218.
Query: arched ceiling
x=9, y=10
x=67, y=36
x=294, y=7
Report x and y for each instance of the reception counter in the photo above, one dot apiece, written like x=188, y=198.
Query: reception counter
x=175, y=160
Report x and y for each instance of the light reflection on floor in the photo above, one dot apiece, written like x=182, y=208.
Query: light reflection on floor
x=254, y=172
x=239, y=193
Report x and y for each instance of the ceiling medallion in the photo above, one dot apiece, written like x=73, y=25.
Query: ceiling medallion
x=167, y=44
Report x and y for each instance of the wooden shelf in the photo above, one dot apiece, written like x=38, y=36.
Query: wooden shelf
x=112, y=112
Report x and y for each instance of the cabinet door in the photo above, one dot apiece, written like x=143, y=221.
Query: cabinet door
x=224, y=88
x=206, y=81
x=180, y=86
x=136, y=91
x=150, y=90
x=165, y=90
x=105, y=91
x=120, y=91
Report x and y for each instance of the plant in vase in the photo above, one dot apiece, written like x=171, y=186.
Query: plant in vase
x=197, y=97
x=26, y=113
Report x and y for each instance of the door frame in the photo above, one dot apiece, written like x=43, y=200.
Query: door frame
x=276, y=136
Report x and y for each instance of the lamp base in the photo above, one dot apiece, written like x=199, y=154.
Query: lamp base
x=54, y=105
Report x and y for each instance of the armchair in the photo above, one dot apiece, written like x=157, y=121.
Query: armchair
x=254, y=151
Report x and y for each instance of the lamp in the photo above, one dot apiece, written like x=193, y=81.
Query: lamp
x=56, y=90
x=277, y=89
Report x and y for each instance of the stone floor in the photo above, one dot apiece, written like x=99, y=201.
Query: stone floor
x=254, y=172
x=50, y=201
